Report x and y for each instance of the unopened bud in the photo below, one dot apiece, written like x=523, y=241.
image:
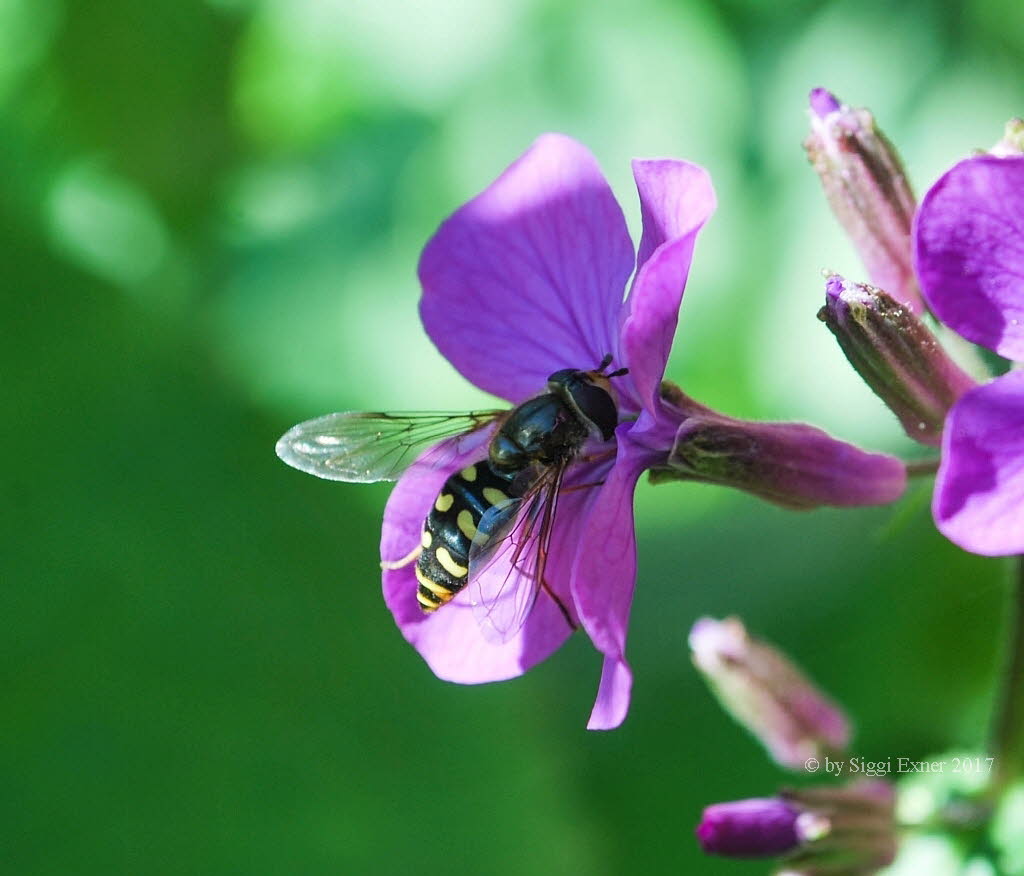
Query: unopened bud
x=756, y=828
x=896, y=355
x=867, y=188
x=1012, y=142
x=819, y=831
x=790, y=464
x=766, y=693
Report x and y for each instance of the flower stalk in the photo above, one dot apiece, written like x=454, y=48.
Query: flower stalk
x=920, y=468
x=1008, y=725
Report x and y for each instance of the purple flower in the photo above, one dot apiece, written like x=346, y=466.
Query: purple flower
x=524, y=280
x=969, y=254
x=527, y=279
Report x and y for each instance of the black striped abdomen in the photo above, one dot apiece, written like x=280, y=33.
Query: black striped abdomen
x=442, y=568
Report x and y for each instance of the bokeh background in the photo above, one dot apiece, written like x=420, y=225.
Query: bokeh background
x=210, y=217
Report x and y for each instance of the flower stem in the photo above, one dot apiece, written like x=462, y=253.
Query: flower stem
x=920, y=467
x=1008, y=726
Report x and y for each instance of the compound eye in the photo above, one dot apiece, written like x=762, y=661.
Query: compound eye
x=597, y=406
x=564, y=377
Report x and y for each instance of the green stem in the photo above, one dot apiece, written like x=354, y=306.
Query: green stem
x=1008, y=727
x=920, y=467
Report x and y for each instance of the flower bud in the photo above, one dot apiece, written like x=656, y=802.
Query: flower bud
x=896, y=355
x=867, y=188
x=761, y=827
x=820, y=830
x=790, y=464
x=1012, y=142
x=766, y=693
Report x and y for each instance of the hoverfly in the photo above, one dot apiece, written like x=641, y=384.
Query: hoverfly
x=495, y=515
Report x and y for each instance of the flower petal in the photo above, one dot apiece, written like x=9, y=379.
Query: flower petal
x=603, y=580
x=450, y=639
x=613, y=695
x=969, y=251
x=676, y=199
x=528, y=277
x=979, y=490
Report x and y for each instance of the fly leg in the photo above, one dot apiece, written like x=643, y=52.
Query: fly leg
x=575, y=487
x=410, y=557
x=603, y=456
x=561, y=605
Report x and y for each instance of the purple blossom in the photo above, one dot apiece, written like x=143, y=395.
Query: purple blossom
x=524, y=280
x=969, y=255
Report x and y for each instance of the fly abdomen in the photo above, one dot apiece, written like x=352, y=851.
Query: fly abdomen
x=442, y=568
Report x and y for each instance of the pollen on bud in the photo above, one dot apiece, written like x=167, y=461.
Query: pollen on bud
x=867, y=188
x=767, y=693
x=896, y=355
x=1012, y=142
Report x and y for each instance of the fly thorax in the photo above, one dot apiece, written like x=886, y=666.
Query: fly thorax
x=542, y=429
x=505, y=454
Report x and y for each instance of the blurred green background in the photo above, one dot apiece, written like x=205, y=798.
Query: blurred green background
x=210, y=216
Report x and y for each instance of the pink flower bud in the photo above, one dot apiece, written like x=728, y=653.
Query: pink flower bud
x=767, y=693
x=896, y=354
x=867, y=188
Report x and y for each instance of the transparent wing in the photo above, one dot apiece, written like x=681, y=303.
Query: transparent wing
x=508, y=557
x=362, y=447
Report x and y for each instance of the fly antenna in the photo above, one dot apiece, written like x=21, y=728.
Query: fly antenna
x=605, y=362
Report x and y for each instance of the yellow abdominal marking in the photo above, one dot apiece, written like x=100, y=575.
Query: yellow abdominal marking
x=426, y=539
x=466, y=524
x=450, y=566
x=494, y=496
x=439, y=590
x=425, y=602
x=468, y=473
x=444, y=502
